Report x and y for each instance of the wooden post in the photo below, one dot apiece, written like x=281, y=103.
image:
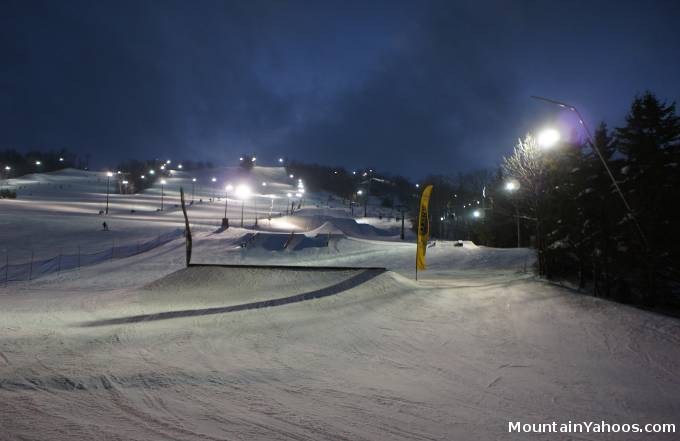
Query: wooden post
x=187, y=233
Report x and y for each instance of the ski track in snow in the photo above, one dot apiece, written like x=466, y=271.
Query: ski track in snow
x=474, y=344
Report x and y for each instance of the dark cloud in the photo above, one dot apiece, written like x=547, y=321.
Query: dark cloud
x=386, y=84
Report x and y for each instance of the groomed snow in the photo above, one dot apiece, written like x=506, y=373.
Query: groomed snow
x=143, y=349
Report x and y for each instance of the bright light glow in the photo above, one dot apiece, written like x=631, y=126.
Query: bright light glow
x=242, y=191
x=548, y=138
x=511, y=186
x=229, y=187
x=162, y=167
x=254, y=159
x=118, y=172
x=241, y=158
x=109, y=174
x=291, y=176
x=151, y=172
x=354, y=173
x=360, y=192
x=213, y=179
x=302, y=190
x=168, y=161
x=476, y=213
x=163, y=182
x=193, y=179
x=38, y=162
x=289, y=194
x=264, y=184
x=298, y=195
x=8, y=168
x=417, y=185
x=61, y=159
x=281, y=160
x=143, y=177
x=441, y=219
x=179, y=166
x=125, y=182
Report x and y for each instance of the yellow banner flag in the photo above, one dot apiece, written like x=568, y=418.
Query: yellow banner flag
x=423, y=228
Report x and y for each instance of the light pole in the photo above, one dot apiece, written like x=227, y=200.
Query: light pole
x=193, y=189
x=108, y=179
x=242, y=192
x=289, y=196
x=7, y=170
x=213, y=186
x=581, y=121
x=225, y=221
x=162, y=192
x=512, y=186
x=125, y=186
x=359, y=193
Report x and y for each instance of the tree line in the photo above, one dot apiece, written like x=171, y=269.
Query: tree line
x=562, y=202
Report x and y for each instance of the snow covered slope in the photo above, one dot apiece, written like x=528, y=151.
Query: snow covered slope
x=143, y=349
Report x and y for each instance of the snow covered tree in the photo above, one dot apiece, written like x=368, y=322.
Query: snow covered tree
x=525, y=166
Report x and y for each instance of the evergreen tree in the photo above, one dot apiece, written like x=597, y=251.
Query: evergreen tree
x=650, y=142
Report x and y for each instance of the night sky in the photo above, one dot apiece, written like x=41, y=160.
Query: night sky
x=407, y=87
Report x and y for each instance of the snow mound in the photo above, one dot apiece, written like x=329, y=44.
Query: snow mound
x=320, y=224
x=229, y=286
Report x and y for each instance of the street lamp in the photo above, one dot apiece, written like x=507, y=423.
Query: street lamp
x=289, y=196
x=512, y=186
x=604, y=163
x=193, y=188
x=548, y=138
x=7, y=170
x=213, y=180
x=280, y=160
x=476, y=213
x=38, y=163
x=125, y=183
x=227, y=189
x=108, y=179
x=243, y=193
x=162, y=192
